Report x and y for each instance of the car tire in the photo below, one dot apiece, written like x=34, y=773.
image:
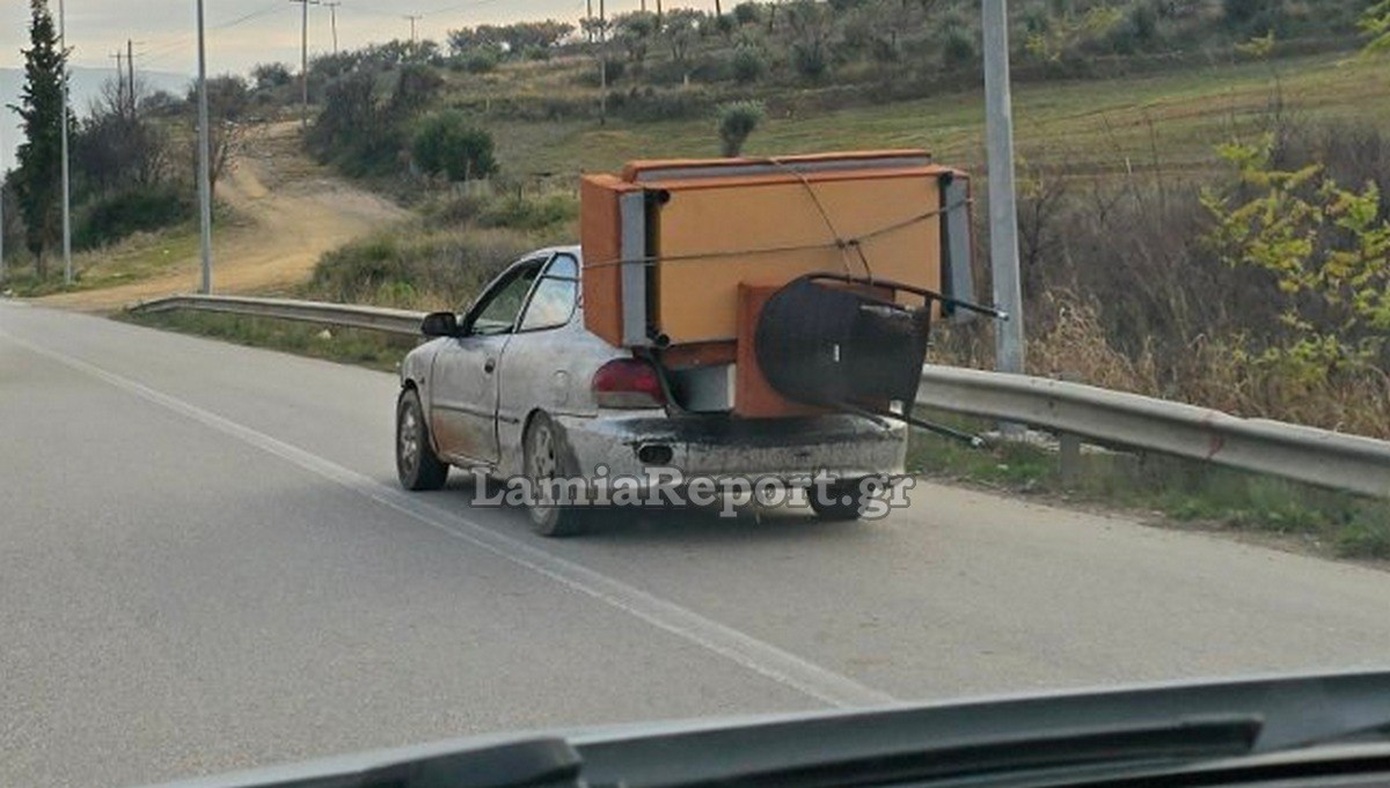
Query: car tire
x=843, y=502
x=544, y=458
x=417, y=466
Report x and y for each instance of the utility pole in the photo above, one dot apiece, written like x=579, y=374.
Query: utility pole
x=130, y=64
x=333, y=17
x=304, y=62
x=204, y=160
x=67, y=170
x=413, y=19
x=1003, y=214
x=119, y=56
x=589, y=15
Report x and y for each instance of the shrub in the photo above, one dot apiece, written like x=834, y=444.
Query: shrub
x=410, y=267
x=531, y=214
x=481, y=61
x=810, y=59
x=747, y=13
x=115, y=216
x=749, y=65
x=446, y=144
x=957, y=48
x=738, y=120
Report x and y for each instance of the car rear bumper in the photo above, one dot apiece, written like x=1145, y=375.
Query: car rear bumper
x=838, y=446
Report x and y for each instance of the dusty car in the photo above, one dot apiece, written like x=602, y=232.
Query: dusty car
x=517, y=386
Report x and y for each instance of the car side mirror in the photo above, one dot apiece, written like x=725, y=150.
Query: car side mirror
x=440, y=324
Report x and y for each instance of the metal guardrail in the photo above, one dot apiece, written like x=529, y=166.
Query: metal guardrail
x=1331, y=459
x=1322, y=457
x=394, y=321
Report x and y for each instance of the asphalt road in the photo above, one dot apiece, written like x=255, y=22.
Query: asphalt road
x=206, y=564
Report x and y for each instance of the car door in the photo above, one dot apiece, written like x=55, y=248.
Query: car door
x=532, y=372
x=464, y=389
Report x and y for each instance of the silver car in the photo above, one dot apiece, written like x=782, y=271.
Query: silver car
x=518, y=387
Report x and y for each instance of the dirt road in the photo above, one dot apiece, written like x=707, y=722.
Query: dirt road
x=289, y=212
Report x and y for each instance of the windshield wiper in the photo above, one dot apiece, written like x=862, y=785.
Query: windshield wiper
x=1139, y=745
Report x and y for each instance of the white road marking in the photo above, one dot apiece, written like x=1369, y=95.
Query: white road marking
x=756, y=655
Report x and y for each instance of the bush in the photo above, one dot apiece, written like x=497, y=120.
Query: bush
x=958, y=48
x=115, y=216
x=747, y=13
x=409, y=267
x=446, y=144
x=481, y=61
x=1240, y=12
x=749, y=65
x=810, y=60
x=737, y=120
x=530, y=214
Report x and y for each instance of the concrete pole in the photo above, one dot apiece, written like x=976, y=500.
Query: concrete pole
x=204, y=160
x=1003, y=211
x=67, y=170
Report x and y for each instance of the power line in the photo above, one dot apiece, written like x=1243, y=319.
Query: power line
x=164, y=51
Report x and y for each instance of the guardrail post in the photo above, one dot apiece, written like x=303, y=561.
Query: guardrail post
x=1069, y=451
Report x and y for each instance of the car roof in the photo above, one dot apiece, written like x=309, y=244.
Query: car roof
x=573, y=249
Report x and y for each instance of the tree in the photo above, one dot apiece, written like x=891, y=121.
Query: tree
x=681, y=29
x=229, y=99
x=737, y=120
x=270, y=76
x=447, y=145
x=1376, y=23
x=1325, y=246
x=113, y=149
x=634, y=32
x=38, y=180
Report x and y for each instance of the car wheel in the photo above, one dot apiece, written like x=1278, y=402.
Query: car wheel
x=843, y=501
x=417, y=466
x=545, y=459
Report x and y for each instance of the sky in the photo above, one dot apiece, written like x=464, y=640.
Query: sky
x=243, y=33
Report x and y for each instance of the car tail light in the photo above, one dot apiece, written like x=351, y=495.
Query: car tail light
x=628, y=383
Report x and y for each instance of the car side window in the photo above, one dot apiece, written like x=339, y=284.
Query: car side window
x=552, y=302
x=498, y=314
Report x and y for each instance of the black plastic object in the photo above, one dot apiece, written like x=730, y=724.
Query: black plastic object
x=834, y=346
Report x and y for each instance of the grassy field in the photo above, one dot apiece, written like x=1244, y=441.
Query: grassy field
x=140, y=257
x=1170, y=119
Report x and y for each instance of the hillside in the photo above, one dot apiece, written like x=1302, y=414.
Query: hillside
x=288, y=211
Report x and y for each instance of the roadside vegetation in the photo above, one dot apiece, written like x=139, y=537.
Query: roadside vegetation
x=1166, y=491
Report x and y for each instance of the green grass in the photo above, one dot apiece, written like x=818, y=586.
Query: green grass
x=144, y=256
x=1090, y=125
x=1185, y=492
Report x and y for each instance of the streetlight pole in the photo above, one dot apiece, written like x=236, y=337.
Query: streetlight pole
x=204, y=160
x=67, y=173
x=1003, y=211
